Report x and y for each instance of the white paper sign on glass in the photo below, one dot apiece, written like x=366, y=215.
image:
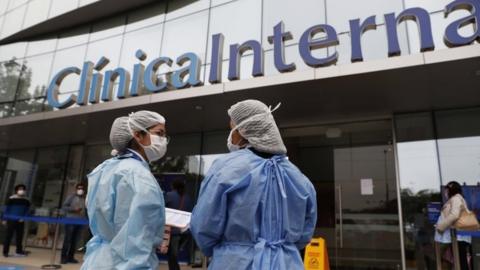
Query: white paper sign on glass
x=366, y=186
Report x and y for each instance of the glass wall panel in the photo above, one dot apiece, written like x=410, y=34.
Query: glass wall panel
x=459, y=145
x=35, y=76
x=13, y=22
x=150, y=15
x=109, y=48
x=430, y=5
x=12, y=51
x=419, y=177
x=147, y=39
x=94, y=155
x=40, y=46
x=60, y=7
x=73, y=37
x=74, y=170
x=67, y=58
x=296, y=17
x=238, y=21
x=19, y=169
x=15, y=3
x=340, y=12
x=178, y=8
x=186, y=34
x=37, y=12
x=439, y=24
x=374, y=45
x=291, y=56
x=9, y=76
x=108, y=28
x=3, y=6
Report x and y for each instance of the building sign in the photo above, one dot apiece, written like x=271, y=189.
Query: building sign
x=95, y=86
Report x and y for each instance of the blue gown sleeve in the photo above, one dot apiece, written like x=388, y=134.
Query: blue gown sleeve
x=209, y=215
x=143, y=228
x=310, y=218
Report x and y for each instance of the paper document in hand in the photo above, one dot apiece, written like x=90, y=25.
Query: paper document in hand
x=177, y=218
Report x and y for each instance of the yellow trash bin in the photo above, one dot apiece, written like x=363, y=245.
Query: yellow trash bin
x=316, y=257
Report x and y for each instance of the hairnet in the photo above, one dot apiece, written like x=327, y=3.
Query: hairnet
x=255, y=123
x=123, y=127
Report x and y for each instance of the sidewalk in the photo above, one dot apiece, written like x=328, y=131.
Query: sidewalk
x=39, y=257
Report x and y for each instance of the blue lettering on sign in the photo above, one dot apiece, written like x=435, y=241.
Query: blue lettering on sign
x=161, y=74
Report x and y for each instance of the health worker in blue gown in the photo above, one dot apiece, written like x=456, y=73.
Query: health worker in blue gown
x=125, y=204
x=255, y=209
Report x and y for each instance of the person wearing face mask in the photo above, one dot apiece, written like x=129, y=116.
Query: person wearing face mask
x=17, y=205
x=74, y=207
x=255, y=208
x=125, y=204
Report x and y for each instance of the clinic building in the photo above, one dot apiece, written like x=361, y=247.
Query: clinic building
x=380, y=102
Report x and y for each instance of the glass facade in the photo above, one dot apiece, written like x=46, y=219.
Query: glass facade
x=173, y=28
x=374, y=179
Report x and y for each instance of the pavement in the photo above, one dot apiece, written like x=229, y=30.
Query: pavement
x=39, y=257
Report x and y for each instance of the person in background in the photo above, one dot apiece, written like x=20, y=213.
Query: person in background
x=255, y=208
x=125, y=204
x=449, y=215
x=74, y=207
x=17, y=205
x=177, y=199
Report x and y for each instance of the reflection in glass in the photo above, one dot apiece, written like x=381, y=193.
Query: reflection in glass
x=35, y=76
x=238, y=21
x=19, y=170
x=9, y=76
x=360, y=225
x=47, y=191
x=13, y=22
x=147, y=16
x=58, y=7
x=28, y=106
x=37, y=12
x=419, y=178
x=5, y=109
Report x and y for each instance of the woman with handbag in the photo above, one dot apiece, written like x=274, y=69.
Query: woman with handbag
x=455, y=213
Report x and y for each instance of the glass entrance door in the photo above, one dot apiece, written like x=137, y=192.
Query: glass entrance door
x=353, y=169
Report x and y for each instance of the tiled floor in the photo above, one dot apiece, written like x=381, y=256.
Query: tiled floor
x=39, y=257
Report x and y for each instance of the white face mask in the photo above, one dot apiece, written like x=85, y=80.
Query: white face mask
x=157, y=148
x=232, y=147
x=21, y=192
x=80, y=192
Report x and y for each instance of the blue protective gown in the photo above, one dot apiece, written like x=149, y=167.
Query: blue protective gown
x=126, y=209
x=254, y=213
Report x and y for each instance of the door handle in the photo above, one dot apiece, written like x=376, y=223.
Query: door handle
x=340, y=214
